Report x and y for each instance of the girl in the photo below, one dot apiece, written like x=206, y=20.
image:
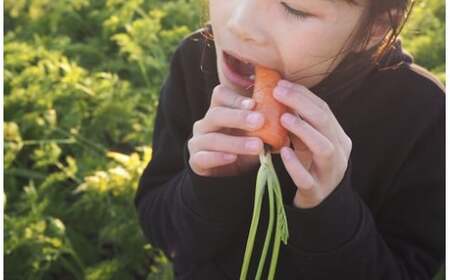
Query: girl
x=363, y=174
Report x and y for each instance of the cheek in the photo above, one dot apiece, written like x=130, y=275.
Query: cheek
x=305, y=54
x=214, y=15
x=313, y=46
x=219, y=12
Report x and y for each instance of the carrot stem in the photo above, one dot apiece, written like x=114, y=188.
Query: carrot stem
x=278, y=233
x=281, y=214
x=268, y=234
x=259, y=193
x=266, y=176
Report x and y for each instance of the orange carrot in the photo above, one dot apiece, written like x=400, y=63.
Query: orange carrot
x=272, y=133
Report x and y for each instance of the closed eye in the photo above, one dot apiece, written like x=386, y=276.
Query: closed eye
x=296, y=13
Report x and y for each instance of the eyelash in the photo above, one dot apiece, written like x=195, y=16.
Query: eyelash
x=295, y=13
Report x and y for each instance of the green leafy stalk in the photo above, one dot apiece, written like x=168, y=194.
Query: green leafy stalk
x=268, y=234
x=278, y=232
x=281, y=214
x=266, y=176
x=259, y=192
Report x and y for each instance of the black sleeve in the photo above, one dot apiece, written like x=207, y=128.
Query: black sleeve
x=190, y=217
x=341, y=237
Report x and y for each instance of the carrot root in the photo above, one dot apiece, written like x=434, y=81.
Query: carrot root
x=272, y=132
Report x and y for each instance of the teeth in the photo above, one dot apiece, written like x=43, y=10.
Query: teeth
x=252, y=77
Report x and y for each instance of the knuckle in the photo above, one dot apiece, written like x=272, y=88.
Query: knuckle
x=217, y=95
x=212, y=113
x=196, y=127
x=324, y=106
x=299, y=121
x=309, y=184
x=344, y=167
x=193, y=162
x=328, y=151
x=236, y=101
x=349, y=143
x=322, y=119
x=190, y=144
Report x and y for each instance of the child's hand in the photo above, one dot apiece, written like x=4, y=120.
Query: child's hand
x=322, y=148
x=216, y=149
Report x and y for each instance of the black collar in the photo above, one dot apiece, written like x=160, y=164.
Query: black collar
x=350, y=74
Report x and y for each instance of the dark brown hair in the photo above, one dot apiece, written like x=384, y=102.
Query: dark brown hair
x=397, y=12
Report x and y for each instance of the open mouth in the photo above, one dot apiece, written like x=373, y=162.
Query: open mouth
x=238, y=71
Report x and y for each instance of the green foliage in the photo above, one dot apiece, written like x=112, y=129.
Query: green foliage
x=82, y=79
x=424, y=35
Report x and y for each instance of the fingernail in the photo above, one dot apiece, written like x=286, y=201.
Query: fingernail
x=288, y=118
x=229, y=157
x=252, y=145
x=280, y=91
x=284, y=83
x=247, y=103
x=286, y=153
x=253, y=118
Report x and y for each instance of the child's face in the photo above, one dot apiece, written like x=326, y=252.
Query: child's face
x=263, y=31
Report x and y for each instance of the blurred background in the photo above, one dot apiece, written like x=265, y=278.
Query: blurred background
x=82, y=80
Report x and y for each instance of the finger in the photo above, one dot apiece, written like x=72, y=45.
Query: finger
x=225, y=97
x=315, y=112
x=226, y=143
x=300, y=176
x=306, y=92
x=222, y=117
x=341, y=136
x=345, y=142
x=302, y=151
x=321, y=148
x=204, y=160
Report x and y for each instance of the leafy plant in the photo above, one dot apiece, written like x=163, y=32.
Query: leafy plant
x=82, y=80
x=424, y=35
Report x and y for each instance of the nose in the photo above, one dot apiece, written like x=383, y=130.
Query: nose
x=243, y=22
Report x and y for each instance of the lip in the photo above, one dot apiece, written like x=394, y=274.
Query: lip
x=234, y=77
x=240, y=57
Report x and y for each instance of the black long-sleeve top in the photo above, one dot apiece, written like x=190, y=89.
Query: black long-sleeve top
x=385, y=219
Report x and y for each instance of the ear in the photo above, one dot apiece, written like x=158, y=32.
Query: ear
x=382, y=26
